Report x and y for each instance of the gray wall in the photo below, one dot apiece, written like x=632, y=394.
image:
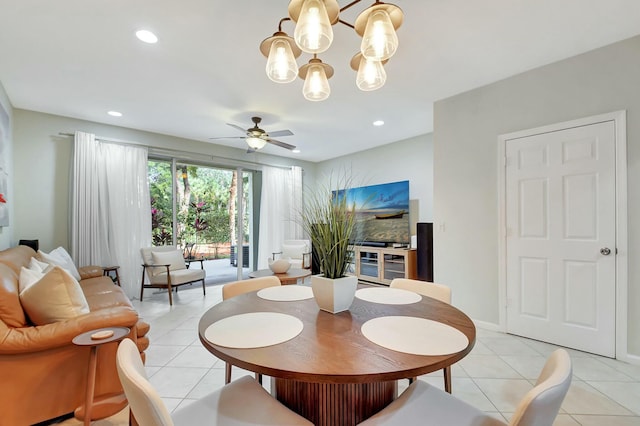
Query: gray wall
x=409, y=159
x=465, y=167
x=6, y=164
x=42, y=164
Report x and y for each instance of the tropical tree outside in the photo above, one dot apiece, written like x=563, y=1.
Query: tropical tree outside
x=205, y=207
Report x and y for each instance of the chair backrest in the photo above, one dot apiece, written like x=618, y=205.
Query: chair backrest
x=147, y=257
x=541, y=404
x=437, y=291
x=295, y=249
x=144, y=401
x=245, y=286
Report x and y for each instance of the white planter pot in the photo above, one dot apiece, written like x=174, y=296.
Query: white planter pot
x=334, y=295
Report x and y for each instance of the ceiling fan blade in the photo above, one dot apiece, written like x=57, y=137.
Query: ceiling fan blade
x=229, y=137
x=237, y=127
x=281, y=133
x=280, y=144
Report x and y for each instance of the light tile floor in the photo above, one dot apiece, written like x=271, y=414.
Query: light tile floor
x=498, y=372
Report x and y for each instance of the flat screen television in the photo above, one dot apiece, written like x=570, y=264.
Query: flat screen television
x=382, y=212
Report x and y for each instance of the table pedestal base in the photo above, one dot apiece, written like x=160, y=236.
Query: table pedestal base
x=327, y=404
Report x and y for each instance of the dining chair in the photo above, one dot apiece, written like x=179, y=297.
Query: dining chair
x=437, y=291
x=243, y=402
x=237, y=288
x=423, y=404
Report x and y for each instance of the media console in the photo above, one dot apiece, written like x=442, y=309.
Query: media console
x=381, y=264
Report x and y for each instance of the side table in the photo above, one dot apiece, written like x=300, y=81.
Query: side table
x=92, y=339
x=107, y=270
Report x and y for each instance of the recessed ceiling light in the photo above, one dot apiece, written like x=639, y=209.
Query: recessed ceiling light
x=115, y=113
x=378, y=123
x=146, y=36
x=295, y=151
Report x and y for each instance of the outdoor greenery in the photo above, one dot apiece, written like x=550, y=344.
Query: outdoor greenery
x=205, y=204
x=330, y=221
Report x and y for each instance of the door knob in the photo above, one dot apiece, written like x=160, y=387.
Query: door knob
x=605, y=251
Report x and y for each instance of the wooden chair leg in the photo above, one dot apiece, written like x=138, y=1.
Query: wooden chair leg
x=142, y=285
x=447, y=379
x=227, y=373
x=170, y=295
x=204, y=291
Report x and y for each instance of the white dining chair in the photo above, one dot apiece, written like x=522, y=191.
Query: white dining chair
x=243, y=402
x=425, y=405
x=437, y=291
x=237, y=288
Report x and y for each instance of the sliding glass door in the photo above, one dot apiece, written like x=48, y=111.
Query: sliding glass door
x=203, y=210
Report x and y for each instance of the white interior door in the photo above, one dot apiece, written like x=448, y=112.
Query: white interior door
x=560, y=239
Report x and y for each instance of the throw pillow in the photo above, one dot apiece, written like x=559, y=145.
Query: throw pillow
x=28, y=277
x=36, y=265
x=60, y=257
x=173, y=258
x=57, y=296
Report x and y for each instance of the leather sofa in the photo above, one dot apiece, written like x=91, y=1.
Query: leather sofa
x=43, y=374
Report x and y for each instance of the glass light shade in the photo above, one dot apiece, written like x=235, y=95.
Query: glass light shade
x=256, y=143
x=380, y=40
x=371, y=75
x=313, y=33
x=316, y=85
x=281, y=64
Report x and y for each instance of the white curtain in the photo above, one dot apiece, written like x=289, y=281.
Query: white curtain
x=110, y=218
x=280, y=209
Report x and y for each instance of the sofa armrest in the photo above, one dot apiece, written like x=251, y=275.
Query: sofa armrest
x=91, y=271
x=39, y=338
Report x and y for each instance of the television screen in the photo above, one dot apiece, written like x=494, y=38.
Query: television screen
x=382, y=212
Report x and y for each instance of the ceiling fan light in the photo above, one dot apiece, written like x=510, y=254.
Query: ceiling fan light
x=255, y=143
x=371, y=75
x=380, y=40
x=313, y=32
x=281, y=63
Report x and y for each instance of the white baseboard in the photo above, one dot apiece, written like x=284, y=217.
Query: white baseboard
x=488, y=326
x=630, y=358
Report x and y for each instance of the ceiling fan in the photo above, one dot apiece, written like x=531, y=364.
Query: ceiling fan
x=257, y=138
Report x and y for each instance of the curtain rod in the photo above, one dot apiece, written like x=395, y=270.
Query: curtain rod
x=167, y=151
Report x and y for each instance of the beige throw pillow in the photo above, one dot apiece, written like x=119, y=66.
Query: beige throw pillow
x=57, y=296
x=173, y=258
x=28, y=277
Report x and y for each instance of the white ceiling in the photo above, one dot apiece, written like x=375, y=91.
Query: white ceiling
x=80, y=58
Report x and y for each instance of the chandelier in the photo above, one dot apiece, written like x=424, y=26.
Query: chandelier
x=313, y=34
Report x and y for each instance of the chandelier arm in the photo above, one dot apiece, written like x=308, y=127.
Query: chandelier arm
x=346, y=23
x=349, y=5
x=280, y=23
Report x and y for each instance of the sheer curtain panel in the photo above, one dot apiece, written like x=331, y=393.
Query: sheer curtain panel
x=280, y=209
x=111, y=217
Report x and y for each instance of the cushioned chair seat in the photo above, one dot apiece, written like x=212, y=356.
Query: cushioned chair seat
x=179, y=276
x=424, y=405
x=441, y=409
x=243, y=402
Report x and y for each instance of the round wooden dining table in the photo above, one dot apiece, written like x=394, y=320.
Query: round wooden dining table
x=330, y=373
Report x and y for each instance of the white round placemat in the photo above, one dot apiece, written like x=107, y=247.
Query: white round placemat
x=286, y=293
x=418, y=336
x=253, y=330
x=389, y=296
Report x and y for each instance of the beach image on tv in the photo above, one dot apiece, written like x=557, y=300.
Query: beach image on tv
x=382, y=212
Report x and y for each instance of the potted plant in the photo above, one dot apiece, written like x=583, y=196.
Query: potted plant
x=330, y=221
